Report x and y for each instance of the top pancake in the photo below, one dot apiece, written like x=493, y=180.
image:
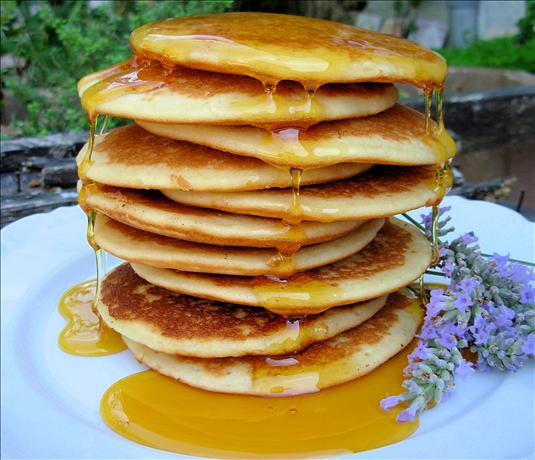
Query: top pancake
x=275, y=47
x=147, y=91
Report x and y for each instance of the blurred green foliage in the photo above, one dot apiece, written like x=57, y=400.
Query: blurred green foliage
x=503, y=52
x=516, y=52
x=58, y=42
x=526, y=25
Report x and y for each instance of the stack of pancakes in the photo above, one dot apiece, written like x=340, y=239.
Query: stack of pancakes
x=253, y=198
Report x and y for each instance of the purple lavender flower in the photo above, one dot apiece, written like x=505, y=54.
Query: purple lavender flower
x=407, y=415
x=469, y=238
x=465, y=368
x=488, y=307
x=462, y=301
x=436, y=302
x=467, y=285
x=390, y=402
x=503, y=316
x=529, y=345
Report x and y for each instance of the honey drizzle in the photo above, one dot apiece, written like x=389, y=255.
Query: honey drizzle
x=105, y=124
x=440, y=109
x=270, y=86
x=85, y=334
x=428, y=102
x=299, y=293
x=443, y=177
x=295, y=211
x=86, y=160
x=160, y=412
x=435, y=258
x=135, y=75
x=284, y=261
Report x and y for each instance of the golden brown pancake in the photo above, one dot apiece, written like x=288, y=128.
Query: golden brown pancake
x=153, y=212
x=398, y=255
x=380, y=192
x=138, y=246
x=174, y=323
x=275, y=47
x=185, y=95
x=344, y=357
x=396, y=136
x=132, y=157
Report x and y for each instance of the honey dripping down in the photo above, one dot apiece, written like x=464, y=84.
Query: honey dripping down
x=278, y=294
x=142, y=75
x=89, y=186
x=159, y=412
x=85, y=333
x=443, y=176
x=284, y=261
x=298, y=294
x=135, y=75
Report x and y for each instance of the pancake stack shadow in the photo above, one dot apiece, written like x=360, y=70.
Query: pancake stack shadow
x=253, y=199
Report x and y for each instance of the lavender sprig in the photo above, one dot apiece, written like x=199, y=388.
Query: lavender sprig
x=488, y=308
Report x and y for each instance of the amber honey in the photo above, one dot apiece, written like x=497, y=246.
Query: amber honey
x=296, y=147
x=159, y=412
x=85, y=334
x=296, y=293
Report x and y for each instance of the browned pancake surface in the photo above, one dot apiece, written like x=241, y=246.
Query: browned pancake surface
x=387, y=250
x=349, y=342
x=344, y=344
x=376, y=181
x=128, y=297
x=132, y=145
x=400, y=123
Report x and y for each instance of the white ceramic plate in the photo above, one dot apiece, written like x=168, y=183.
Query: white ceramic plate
x=50, y=399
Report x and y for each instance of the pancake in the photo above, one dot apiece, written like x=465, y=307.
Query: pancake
x=151, y=93
x=344, y=357
x=185, y=325
x=138, y=246
x=275, y=47
x=396, y=136
x=380, y=192
x=153, y=212
x=398, y=255
x=132, y=157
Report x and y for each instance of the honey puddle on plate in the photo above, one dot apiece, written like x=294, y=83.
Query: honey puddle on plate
x=159, y=412
x=85, y=334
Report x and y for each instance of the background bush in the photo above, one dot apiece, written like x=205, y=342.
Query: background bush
x=59, y=42
x=517, y=52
